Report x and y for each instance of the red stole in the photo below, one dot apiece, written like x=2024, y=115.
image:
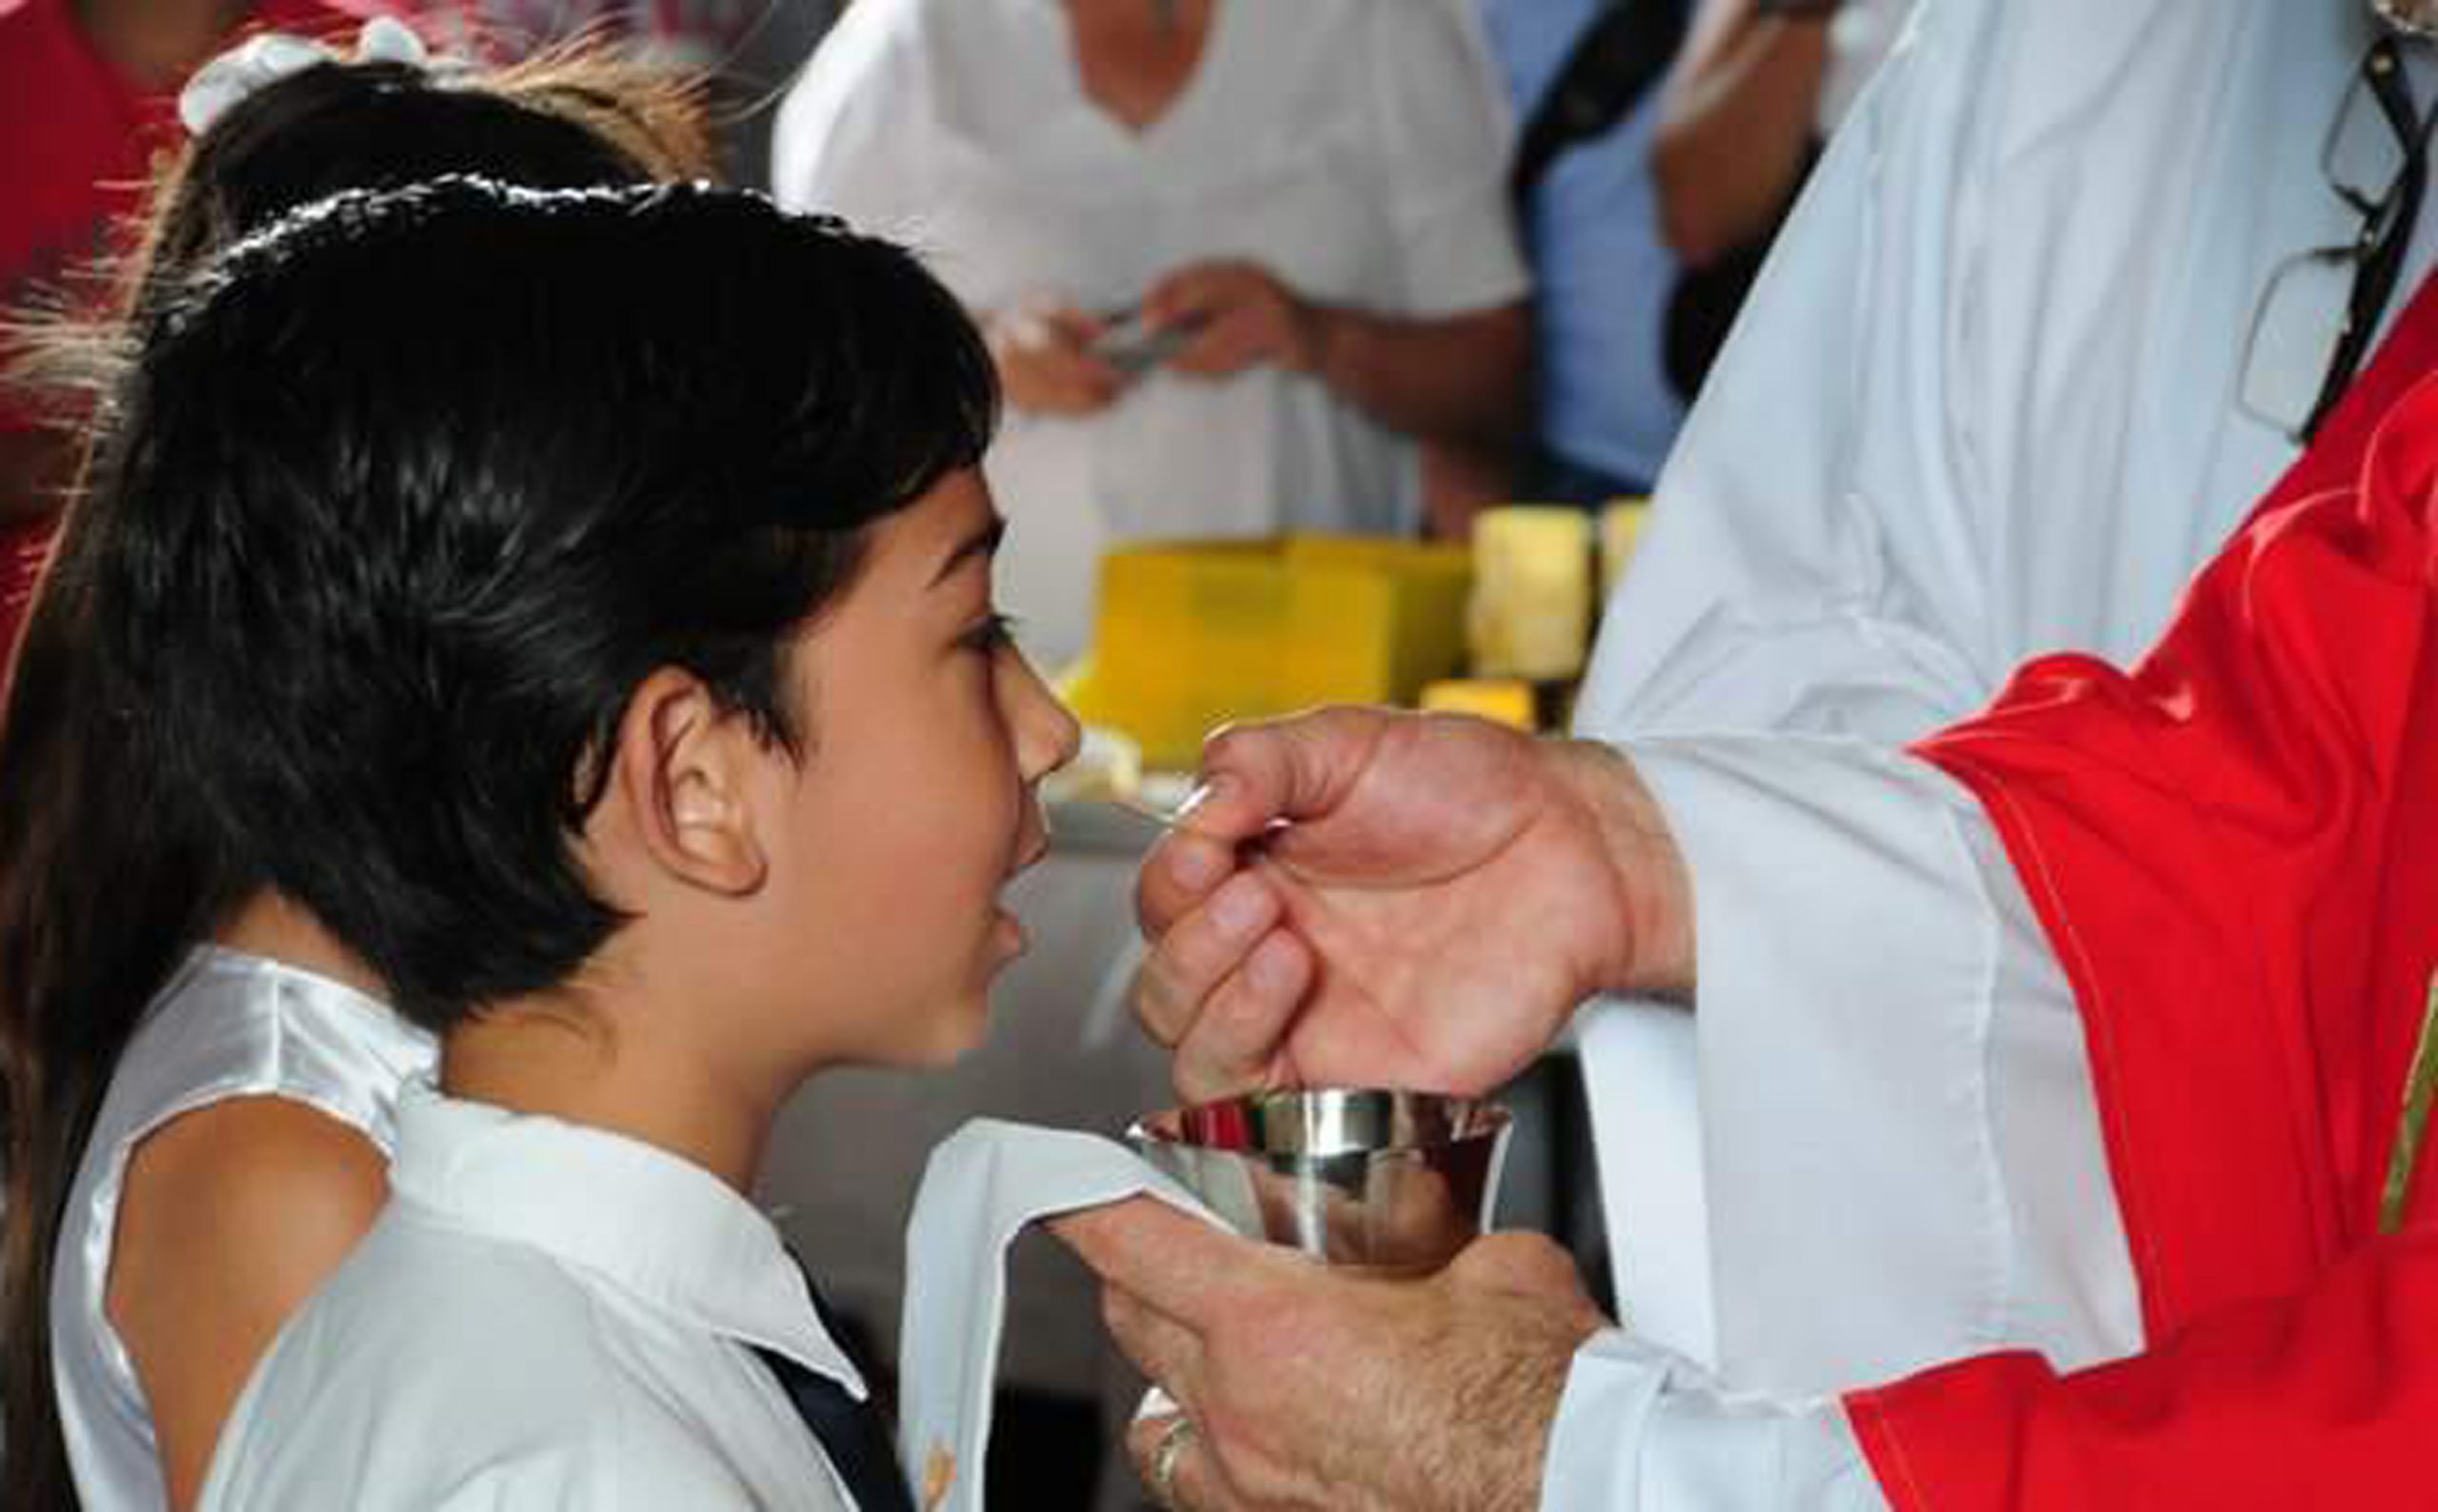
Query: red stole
x=2235, y=851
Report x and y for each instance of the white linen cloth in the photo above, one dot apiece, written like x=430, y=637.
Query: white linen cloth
x=545, y=1316
x=1355, y=147
x=1638, y=1428
x=1983, y=404
x=983, y=1184
x=228, y=1026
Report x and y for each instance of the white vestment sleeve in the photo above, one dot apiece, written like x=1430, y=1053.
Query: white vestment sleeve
x=1980, y=402
x=1900, y=1152
x=1640, y=1430
x=1641, y=1083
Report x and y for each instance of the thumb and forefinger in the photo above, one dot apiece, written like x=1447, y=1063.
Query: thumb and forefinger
x=1183, y=297
x=1255, y=778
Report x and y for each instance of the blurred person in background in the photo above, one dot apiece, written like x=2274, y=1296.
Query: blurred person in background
x=1235, y=256
x=1581, y=73
x=1760, y=87
x=745, y=51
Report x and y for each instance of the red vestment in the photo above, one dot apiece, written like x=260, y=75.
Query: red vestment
x=2233, y=849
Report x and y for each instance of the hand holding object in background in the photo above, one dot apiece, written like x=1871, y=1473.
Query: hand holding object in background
x=1043, y=349
x=1243, y=316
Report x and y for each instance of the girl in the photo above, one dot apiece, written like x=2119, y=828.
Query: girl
x=157, y=1235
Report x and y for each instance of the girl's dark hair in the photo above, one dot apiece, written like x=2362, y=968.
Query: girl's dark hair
x=106, y=882
x=570, y=117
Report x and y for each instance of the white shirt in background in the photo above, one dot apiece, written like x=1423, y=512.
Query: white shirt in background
x=228, y=1026
x=1355, y=147
x=545, y=1316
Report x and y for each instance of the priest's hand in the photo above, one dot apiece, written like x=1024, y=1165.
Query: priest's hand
x=1420, y=901
x=1307, y=1387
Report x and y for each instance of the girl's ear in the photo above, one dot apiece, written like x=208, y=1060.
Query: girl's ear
x=683, y=773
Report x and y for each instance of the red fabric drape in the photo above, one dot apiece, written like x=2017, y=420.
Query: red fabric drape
x=2235, y=851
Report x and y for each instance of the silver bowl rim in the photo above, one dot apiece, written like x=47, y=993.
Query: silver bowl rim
x=1486, y=1118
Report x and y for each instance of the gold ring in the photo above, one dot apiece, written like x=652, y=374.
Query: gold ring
x=1174, y=1440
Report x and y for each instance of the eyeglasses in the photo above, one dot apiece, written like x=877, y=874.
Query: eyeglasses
x=2322, y=308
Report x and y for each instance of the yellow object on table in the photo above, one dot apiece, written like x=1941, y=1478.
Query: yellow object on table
x=1503, y=700
x=1532, y=603
x=1191, y=635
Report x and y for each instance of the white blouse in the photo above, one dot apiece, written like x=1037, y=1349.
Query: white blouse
x=1355, y=147
x=228, y=1026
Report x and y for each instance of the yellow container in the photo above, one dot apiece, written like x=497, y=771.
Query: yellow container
x=1191, y=635
x=1531, y=604
x=1502, y=699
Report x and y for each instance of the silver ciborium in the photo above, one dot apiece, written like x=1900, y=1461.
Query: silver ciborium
x=1383, y=1180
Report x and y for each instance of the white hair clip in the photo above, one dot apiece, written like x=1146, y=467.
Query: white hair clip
x=229, y=79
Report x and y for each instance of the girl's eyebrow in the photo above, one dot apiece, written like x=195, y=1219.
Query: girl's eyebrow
x=983, y=543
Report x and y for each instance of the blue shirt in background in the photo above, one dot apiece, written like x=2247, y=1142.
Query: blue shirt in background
x=1601, y=273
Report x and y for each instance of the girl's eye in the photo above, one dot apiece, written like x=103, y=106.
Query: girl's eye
x=994, y=633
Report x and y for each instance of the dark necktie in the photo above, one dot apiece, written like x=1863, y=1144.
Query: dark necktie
x=853, y=1434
